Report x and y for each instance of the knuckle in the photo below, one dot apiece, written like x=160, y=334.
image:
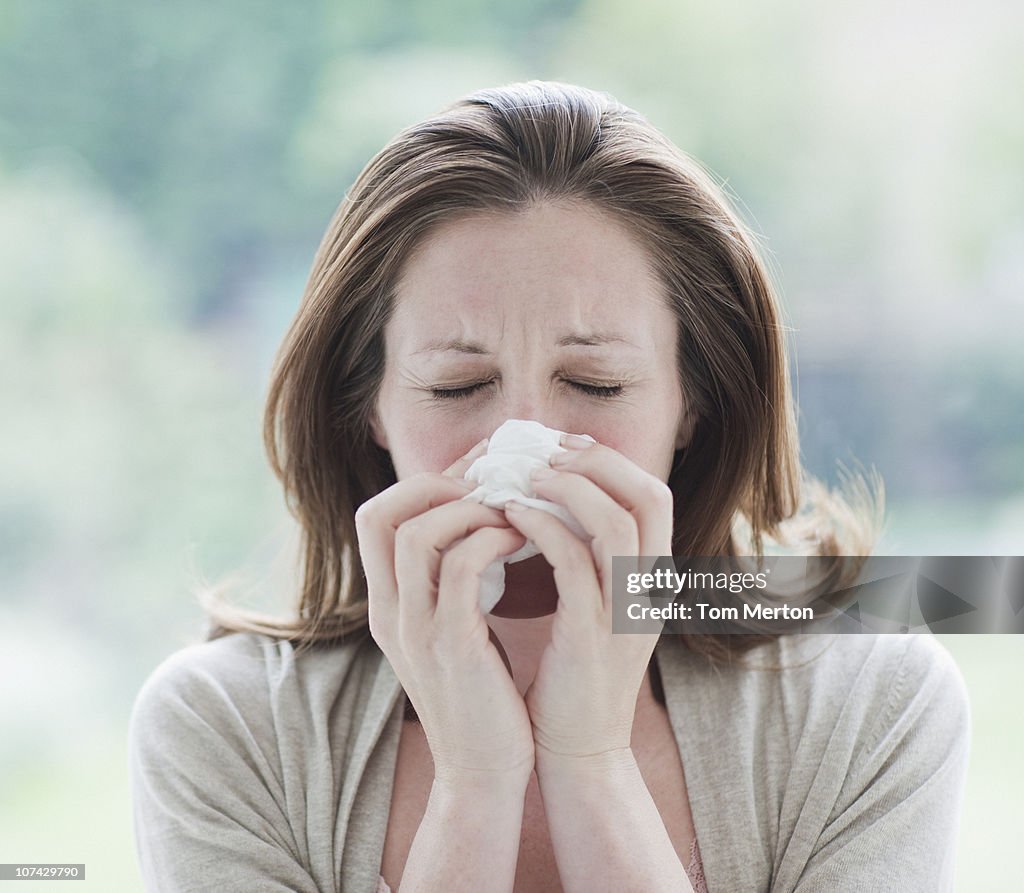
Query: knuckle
x=621, y=527
x=459, y=562
x=366, y=514
x=609, y=546
x=428, y=480
x=411, y=534
x=378, y=628
x=380, y=622
x=577, y=557
x=660, y=495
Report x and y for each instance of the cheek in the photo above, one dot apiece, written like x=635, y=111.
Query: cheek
x=650, y=444
x=418, y=440
x=430, y=446
x=622, y=439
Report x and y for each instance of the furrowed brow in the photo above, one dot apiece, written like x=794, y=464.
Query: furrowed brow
x=592, y=339
x=573, y=339
x=455, y=345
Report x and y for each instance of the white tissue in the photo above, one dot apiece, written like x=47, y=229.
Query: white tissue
x=503, y=474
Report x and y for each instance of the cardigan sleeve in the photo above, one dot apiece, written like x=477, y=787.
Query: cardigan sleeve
x=208, y=801
x=895, y=823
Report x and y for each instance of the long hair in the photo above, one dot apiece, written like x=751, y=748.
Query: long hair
x=739, y=479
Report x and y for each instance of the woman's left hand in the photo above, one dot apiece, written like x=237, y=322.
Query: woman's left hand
x=583, y=699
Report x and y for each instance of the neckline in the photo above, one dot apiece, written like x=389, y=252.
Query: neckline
x=682, y=715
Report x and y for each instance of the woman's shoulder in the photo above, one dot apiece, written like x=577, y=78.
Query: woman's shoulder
x=229, y=660
x=869, y=662
x=244, y=678
x=814, y=684
x=243, y=749
x=237, y=660
x=844, y=735
x=882, y=671
x=858, y=654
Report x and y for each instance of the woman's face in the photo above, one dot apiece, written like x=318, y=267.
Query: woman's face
x=553, y=314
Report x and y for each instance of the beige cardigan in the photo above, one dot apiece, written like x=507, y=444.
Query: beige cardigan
x=252, y=769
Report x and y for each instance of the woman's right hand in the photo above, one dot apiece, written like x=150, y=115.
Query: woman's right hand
x=423, y=549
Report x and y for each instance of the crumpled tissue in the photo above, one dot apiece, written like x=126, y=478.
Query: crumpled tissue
x=514, y=450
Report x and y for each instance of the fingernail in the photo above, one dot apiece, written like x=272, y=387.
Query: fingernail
x=514, y=507
x=575, y=442
x=541, y=474
x=463, y=482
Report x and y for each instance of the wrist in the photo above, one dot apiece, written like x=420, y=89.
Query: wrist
x=599, y=765
x=472, y=784
x=468, y=838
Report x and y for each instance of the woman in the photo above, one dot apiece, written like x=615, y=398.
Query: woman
x=541, y=252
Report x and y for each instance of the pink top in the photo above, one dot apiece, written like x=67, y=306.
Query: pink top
x=695, y=870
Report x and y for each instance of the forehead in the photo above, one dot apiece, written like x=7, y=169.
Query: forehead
x=554, y=268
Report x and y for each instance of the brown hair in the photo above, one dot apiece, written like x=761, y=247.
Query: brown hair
x=738, y=481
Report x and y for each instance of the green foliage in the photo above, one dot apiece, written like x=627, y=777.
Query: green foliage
x=188, y=111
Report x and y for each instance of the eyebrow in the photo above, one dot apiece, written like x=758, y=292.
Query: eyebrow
x=590, y=339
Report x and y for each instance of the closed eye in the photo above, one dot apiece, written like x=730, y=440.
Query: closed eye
x=458, y=393
x=600, y=391
x=597, y=390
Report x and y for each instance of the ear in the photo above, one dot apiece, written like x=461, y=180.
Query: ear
x=685, y=432
x=377, y=431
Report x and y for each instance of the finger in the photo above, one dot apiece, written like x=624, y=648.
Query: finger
x=458, y=600
x=614, y=530
x=420, y=544
x=461, y=465
x=575, y=574
x=596, y=510
x=378, y=518
x=648, y=499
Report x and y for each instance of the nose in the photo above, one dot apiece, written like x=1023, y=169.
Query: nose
x=521, y=414
x=530, y=403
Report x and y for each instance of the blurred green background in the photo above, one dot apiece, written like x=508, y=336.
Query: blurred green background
x=167, y=170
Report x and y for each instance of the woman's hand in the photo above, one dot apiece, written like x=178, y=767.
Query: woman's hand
x=583, y=698
x=423, y=550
